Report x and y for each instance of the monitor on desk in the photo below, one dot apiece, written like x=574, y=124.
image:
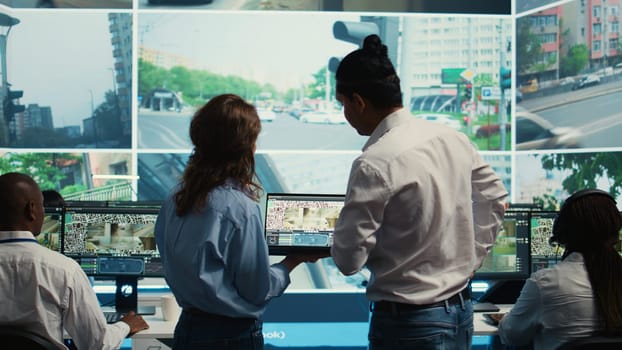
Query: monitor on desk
x=114, y=243
x=543, y=254
x=509, y=257
x=50, y=235
x=507, y=265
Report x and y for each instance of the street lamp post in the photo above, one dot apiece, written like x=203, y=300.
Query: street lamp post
x=6, y=22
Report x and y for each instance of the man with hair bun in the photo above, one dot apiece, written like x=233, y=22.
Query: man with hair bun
x=422, y=210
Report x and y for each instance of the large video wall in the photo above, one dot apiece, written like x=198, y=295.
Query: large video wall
x=98, y=95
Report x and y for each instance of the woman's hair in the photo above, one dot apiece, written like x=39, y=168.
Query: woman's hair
x=223, y=132
x=593, y=228
x=52, y=198
x=370, y=73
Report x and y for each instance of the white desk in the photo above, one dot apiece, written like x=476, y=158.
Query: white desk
x=160, y=329
x=481, y=327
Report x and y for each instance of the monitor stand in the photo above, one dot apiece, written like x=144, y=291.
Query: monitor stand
x=126, y=296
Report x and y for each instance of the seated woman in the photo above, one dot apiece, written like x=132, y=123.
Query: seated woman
x=582, y=294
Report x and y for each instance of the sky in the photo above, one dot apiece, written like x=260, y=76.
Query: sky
x=58, y=59
x=281, y=48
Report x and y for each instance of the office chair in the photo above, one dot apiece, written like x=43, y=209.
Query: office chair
x=24, y=340
x=597, y=342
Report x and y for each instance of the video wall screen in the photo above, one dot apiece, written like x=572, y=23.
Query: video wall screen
x=98, y=96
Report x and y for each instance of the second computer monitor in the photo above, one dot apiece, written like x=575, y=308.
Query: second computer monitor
x=50, y=235
x=112, y=241
x=543, y=254
x=509, y=257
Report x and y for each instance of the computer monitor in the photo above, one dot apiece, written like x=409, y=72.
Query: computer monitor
x=509, y=258
x=50, y=235
x=116, y=243
x=543, y=254
x=299, y=223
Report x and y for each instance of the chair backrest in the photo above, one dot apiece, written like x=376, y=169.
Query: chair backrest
x=25, y=340
x=597, y=342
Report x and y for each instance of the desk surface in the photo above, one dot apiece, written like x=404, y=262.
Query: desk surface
x=158, y=328
x=481, y=327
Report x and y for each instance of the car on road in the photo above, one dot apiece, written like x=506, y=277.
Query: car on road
x=535, y=132
x=441, y=119
x=112, y=4
x=323, y=117
x=179, y=2
x=585, y=81
x=566, y=81
x=266, y=115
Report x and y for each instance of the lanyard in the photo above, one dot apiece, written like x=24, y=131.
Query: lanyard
x=12, y=240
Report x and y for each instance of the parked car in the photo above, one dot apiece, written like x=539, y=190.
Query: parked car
x=118, y=4
x=441, y=119
x=566, y=81
x=323, y=117
x=585, y=81
x=535, y=132
x=492, y=129
x=266, y=115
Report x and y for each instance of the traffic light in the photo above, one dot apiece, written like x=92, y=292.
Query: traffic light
x=505, y=78
x=468, y=92
x=352, y=32
x=9, y=107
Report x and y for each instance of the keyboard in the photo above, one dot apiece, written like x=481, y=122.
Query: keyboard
x=484, y=307
x=112, y=316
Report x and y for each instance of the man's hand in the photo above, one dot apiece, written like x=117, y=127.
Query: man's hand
x=135, y=322
x=293, y=260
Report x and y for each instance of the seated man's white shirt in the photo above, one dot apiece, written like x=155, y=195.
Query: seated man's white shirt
x=46, y=292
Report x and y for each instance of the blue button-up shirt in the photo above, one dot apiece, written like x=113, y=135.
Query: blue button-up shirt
x=217, y=260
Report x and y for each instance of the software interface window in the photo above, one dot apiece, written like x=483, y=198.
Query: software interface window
x=301, y=220
x=108, y=241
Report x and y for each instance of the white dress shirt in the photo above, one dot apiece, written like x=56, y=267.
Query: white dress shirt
x=44, y=292
x=556, y=305
x=409, y=211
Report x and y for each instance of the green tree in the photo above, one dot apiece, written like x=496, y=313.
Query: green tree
x=41, y=166
x=197, y=86
x=587, y=170
x=38, y=137
x=107, y=122
x=574, y=61
x=150, y=77
x=317, y=88
x=529, y=46
x=67, y=190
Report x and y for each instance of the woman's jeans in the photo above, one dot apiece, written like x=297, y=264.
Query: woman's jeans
x=203, y=331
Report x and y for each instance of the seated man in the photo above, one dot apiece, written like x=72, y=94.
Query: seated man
x=43, y=291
